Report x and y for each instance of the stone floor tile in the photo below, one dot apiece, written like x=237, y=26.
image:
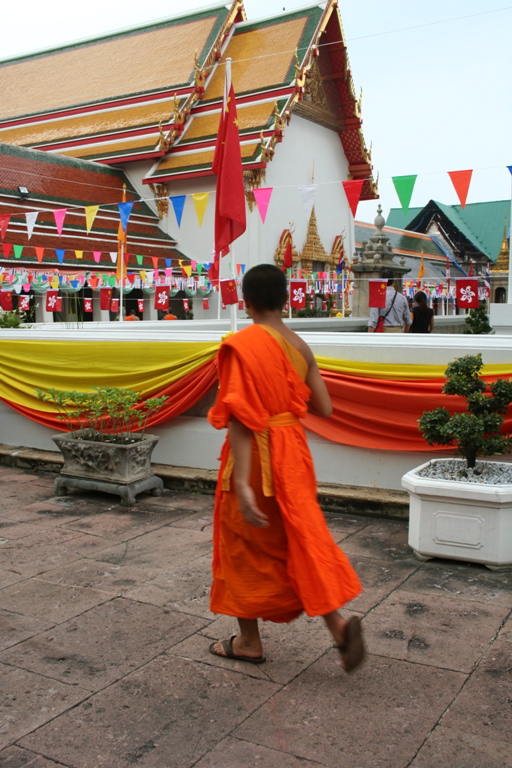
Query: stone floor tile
x=289, y=648
x=379, y=578
x=342, y=526
x=54, y=603
x=197, y=521
x=432, y=630
x=103, y=644
x=50, y=512
x=462, y=581
x=13, y=757
x=8, y=577
x=194, y=502
x=14, y=628
x=381, y=540
x=165, y=548
x=185, y=588
x=37, y=553
x=375, y=718
x=28, y=701
x=121, y=525
x=88, y=545
x=106, y=577
x=169, y=713
x=12, y=529
x=234, y=753
x=484, y=707
x=449, y=748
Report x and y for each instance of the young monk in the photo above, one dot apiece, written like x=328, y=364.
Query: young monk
x=273, y=554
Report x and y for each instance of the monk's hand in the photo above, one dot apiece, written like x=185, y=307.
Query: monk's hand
x=251, y=512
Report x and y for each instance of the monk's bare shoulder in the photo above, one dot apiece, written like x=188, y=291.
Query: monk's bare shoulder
x=300, y=345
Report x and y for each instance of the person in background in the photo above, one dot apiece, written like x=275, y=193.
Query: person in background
x=273, y=554
x=133, y=315
x=422, y=316
x=396, y=315
x=169, y=316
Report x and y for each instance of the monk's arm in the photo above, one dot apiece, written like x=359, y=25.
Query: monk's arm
x=320, y=401
x=240, y=438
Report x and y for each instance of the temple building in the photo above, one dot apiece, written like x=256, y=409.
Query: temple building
x=140, y=110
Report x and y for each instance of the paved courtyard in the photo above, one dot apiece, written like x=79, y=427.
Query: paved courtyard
x=104, y=642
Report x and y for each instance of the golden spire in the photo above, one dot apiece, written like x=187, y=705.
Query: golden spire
x=313, y=249
x=503, y=260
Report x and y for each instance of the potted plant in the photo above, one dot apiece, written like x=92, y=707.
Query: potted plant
x=462, y=508
x=106, y=447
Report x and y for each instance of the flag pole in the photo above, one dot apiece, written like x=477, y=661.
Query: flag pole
x=121, y=283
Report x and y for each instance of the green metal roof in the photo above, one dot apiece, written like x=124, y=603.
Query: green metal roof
x=480, y=223
x=400, y=240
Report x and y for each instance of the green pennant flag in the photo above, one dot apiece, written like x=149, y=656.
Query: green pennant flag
x=139, y=259
x=199, y=268
x=404, y=186
x=17, y=251
x=112, y=281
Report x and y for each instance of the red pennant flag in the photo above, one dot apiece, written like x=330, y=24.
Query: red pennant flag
x=324, y=305
x=58, y=304
x=206, y=304
x=228, y=292
x=24, y=303
x=6, y=248
x=186, y=305
x=93, y=281
x=377, y=293
x=87, y=305
x=105, y=298
x=230, y=219
x=162, y=297
x=140, y=306
x=470, y=271
x=461, y=181
x=51, y=301
x=298, y=290
x=241, y=305
x=114, y=305
x=4, y=223
x=467, y=293
x=39, y=254
x=6, y=300
x=353, y=191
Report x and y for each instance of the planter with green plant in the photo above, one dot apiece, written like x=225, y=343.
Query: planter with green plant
x=105, y=447
x=462, y=508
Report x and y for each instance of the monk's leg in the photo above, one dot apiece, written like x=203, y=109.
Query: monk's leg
x=247, y=643
x=348, y=638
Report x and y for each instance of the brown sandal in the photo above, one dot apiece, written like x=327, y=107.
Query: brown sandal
x=352, y=648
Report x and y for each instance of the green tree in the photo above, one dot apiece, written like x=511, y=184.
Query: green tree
x=478, y=320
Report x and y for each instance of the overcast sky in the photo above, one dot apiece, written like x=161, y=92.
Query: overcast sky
x=436, y=79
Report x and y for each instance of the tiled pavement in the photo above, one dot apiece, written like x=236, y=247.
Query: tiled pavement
x=104, y=656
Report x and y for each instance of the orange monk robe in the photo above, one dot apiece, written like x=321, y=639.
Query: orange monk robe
x=294, y=565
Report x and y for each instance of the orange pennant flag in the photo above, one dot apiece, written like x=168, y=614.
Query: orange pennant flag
x=121, y=246
x=39, y=254
x=461, y=181
x=421, y=270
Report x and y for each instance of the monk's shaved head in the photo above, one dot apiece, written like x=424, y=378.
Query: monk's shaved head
x=264, y=287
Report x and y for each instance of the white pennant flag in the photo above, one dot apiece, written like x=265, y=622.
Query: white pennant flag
x=31, y=221
x=308, y=193
x=113, y=256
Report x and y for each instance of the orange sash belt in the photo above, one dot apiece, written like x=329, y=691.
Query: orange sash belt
x=286, y=419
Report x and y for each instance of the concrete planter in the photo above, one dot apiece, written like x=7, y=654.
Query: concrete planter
x=460, y=521
x=124, y=470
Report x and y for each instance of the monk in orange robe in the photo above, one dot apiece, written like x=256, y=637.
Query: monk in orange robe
x=273, y=555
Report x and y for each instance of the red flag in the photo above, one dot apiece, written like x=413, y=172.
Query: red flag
x=206, y=304
x=51, y=301
x=186, y=305
x=58, y=304
x=298, y=293
x=230, y=220
x=6, y=248
x=4, y=223
x=353, y=191
x=228, y=292
x=105, y=298
x=241, y=305
x=467, y=293
x=140, y=306
x=6, y=300
x=286, y=239
x=162, y=297
x=24, y=303
x=87, y=305
x=461, y=181
x=114, y=305
x=470, y=271
x=377, y=293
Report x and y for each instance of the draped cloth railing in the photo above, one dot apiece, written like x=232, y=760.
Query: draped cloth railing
x=375, y=405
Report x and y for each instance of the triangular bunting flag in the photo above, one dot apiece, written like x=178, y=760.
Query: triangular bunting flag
x=7, y=248
x=353, y=191
x=4, y=223
x=59, y=216
x=404, y=186
x=60, y=254
x=113, y=256
x=79, y=254
x=39, y=254
x=178, y=204
x=262, y=197
x=17, y=251
x=200, y=202
x=31, y=221
x=308, y=194
x=510, y=168
x=96, y=256
x=139, y=259
x=90, y=215
x=125, y=210
x=461, y=181
x=188, y=270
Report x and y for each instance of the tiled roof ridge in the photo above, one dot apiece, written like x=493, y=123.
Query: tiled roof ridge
x=46, y=157
x=116, y=34
x=457, y=218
